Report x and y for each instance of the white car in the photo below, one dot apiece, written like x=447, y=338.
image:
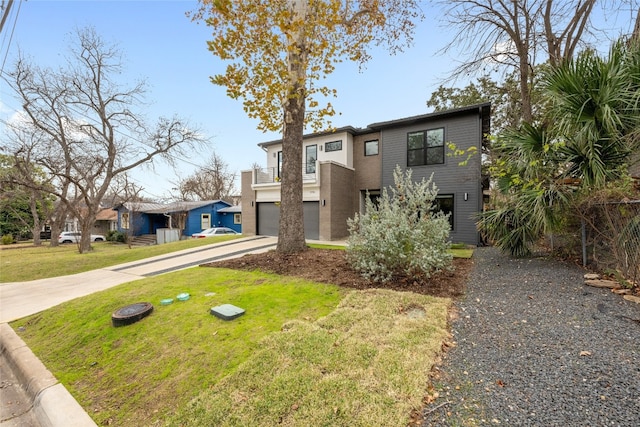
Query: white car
x=74, y=237
x=215, y=231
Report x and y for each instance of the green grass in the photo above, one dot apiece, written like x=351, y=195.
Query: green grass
x=30, y=263
x=141, y=373
x=458, y=250
x=24, y=263
x=303, y=352
x=293, y=358
x=461, y=253
x=324, y=246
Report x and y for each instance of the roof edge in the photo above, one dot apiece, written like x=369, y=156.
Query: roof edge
x=421, y=117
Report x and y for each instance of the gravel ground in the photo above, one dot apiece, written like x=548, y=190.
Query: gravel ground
x=536, y=347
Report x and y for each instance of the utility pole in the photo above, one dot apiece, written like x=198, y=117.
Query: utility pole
x=5, y=13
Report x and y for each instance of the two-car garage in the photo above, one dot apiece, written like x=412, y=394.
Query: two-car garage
x=269, y=218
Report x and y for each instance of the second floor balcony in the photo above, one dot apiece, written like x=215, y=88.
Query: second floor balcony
x=272, y=175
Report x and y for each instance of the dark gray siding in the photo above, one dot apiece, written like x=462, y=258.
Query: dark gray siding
x=450, y=178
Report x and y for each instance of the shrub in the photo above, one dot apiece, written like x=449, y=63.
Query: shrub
x=7, y=239
x=401, y=234
x=116, y=236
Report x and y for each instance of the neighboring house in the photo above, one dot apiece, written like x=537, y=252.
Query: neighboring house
x=232, y=216
x=106, y=220
x=138, y=218
x=341, y=168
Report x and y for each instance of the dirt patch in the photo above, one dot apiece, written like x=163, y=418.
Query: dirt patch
x=331, y=266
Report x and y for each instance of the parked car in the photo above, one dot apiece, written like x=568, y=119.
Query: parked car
x=214, y=231
x=74, y=237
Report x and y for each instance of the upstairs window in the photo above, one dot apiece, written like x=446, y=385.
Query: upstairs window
x=371, y=148
x=312, y=156
x=333, y=146
x=279, y=164
x=425, y=147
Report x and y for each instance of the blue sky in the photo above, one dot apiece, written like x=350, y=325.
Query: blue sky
x=164, y=47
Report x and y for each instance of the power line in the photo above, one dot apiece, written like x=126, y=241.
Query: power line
x=13, y=28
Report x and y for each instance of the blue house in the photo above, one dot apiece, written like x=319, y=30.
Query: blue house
x=140, y=218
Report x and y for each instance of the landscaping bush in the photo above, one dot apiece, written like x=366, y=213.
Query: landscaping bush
x=7, y=239
x=116, y=236
x=401, y=234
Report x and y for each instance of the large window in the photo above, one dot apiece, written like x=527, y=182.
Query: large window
x=333, y=146
x=425, y=147
x=371, y=148
x=444, y=203
x=312, y=156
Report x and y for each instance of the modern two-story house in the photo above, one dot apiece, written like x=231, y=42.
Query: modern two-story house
x=342, y=167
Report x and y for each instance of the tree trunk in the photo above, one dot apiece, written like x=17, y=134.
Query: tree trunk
x=635, y=36
x=525, y=89
x=86, y=225
x=84, y=246
x=291, y=229
x=36, y=226
x=56, y=229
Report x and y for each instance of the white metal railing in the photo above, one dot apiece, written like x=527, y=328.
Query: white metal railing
x=270, y=175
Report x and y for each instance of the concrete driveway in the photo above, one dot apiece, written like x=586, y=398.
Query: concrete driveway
x=29, y=394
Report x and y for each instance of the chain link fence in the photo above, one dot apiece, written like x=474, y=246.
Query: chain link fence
x=611, y=238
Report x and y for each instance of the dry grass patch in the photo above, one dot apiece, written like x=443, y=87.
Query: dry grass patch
x=366, y=363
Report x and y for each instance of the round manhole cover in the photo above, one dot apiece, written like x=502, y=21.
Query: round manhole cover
x=131, y=313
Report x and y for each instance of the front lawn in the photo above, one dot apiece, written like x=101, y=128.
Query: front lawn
x=303, y=354
x=23, y=263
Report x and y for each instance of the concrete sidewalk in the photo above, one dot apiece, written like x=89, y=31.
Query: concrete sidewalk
x=29, y=394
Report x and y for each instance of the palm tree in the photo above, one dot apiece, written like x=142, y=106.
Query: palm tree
x=596, y=111
x=526, y=173
x=594, y=131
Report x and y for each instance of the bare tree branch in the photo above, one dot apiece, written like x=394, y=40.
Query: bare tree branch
x=90, y=131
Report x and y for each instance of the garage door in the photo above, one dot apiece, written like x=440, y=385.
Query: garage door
x=269, y=217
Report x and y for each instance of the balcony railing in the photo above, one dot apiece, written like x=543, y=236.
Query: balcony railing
x=270, y=175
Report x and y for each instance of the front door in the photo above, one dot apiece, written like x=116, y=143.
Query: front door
x=205, y=221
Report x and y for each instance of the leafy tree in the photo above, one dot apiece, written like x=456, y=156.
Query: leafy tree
x=24, y=206
x=278, y=53
x=506, y=104
x=597, y=112
x=526, y=167
x=544, y=171
x=87, y=130
x=401, y=234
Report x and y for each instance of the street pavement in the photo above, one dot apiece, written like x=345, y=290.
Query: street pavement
x=29, y=394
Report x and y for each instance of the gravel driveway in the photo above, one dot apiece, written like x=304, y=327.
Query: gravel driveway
x=536, y=347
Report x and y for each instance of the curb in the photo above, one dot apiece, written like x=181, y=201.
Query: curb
x=53, y=405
